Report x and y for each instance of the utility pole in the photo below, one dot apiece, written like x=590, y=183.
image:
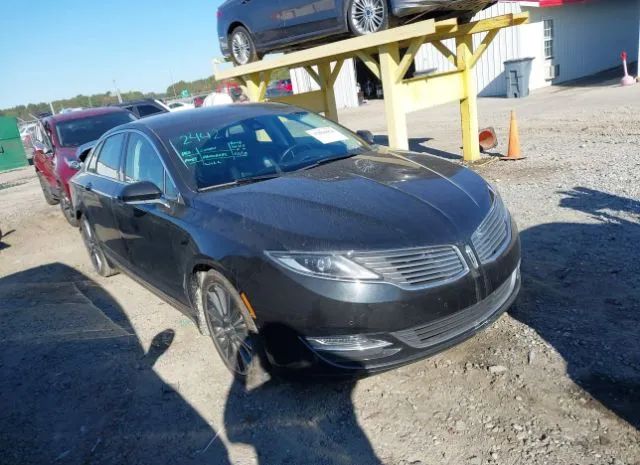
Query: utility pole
x=90, y=104
x=117, y=91
x=53, y=112
x=173, y=85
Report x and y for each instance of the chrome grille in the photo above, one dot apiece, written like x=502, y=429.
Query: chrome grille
x=494, y=232
x=416, y=268
x=471, y=318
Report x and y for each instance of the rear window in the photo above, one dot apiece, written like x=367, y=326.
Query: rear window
x=77, y=132
x=148, y=110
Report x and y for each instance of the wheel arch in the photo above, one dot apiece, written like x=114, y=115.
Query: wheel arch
x=236, y=24
x=194, y=273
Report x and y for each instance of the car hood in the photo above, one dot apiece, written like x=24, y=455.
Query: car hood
x=377, y=200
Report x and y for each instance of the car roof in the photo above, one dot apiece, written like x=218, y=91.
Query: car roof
x=80, y=114
x=136, y=102
x=222, y=115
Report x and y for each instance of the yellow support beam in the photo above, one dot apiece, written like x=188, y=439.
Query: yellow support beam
x=401, y=96
x=312, y=101
x=313, y=74
x=468, y=99
x=444, y=50
x=438, y=89
x=483, y=46
x=328, y=93
x=335, y=72
x=408, y=57
x=394, y=98
x=369, y=62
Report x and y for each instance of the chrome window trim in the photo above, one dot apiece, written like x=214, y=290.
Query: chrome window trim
x=164, y=165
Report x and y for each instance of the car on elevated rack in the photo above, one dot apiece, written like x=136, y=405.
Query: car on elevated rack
x=56, y=139
x=249, y=29
x=295, y=243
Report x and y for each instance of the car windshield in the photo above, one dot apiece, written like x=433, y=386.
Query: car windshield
x=259, y=146
x=74, y=133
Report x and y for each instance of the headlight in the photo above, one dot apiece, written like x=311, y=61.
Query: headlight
x=323, y=265
x=72, y=163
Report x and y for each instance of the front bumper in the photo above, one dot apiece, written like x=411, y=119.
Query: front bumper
x=416, y=323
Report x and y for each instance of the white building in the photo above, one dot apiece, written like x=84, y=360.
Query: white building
x=567, y=39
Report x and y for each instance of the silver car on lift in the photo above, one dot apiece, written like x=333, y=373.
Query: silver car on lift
x=248, y=29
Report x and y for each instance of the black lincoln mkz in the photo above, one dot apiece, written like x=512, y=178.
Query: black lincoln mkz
x=281, y=233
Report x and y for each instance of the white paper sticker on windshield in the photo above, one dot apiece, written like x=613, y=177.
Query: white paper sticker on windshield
x=326, y=135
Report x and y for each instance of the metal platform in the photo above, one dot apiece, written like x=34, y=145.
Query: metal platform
x=401, y=95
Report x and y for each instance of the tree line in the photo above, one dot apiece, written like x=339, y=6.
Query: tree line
x=197, y=87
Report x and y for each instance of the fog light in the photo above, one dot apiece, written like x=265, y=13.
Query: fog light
x=351, y=348
x=345, y=343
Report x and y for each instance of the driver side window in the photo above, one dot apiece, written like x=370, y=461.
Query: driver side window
x=143, y=164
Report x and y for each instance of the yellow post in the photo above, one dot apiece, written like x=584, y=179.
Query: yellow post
x=469, y=99
x=253, y=87
x=328, y=94
x=393, y=96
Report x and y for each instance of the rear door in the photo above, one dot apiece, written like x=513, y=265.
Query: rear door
x=263, y=18
x=100, y=188
x=310, y=18
x=152, y=232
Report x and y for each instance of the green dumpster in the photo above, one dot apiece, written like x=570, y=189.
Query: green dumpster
x=11, y=150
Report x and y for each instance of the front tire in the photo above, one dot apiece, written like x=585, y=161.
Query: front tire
x=99, y=261
x=46, y=190
x=231, y=328
x=367, y=16
x=243, y=49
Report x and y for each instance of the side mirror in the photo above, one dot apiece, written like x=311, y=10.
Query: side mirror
x=143, y=191
x=367, y=136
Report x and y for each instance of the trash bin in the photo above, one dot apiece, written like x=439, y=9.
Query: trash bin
x=11, y=150
x=518, y=74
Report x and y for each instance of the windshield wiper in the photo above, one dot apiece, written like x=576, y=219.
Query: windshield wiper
x=258, y=178
x=326, y=161
x=238, y=182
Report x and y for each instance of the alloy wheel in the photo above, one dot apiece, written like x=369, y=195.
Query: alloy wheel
x=228, y=328
x=367, y=16
x=91, y=244
x=241, y=47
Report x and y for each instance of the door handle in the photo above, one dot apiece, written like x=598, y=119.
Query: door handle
x=88, y=187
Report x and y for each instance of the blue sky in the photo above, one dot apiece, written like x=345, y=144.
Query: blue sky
x=57, y=49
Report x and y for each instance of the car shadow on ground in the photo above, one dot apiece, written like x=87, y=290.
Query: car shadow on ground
x=581, y=294
x=298, y=419
x=419, y=145
x=4, y=245
x=78, y=387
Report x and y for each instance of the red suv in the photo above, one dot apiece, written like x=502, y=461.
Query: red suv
x=57, y=139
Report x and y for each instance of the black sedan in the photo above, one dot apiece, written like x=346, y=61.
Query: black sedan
x=290, y=240
x=248, y=29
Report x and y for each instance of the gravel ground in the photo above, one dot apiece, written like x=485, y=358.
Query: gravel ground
x=99, y=370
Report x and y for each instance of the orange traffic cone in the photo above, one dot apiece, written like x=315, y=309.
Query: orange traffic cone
x=514, y=141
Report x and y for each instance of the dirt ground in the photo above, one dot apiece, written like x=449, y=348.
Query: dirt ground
x=99, y=370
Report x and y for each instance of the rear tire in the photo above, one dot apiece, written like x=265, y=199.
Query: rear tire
x=99, y=261
x=243, y=48
x=68, y=211
x=367, y=16
x=46, y=190
x=231, y=328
